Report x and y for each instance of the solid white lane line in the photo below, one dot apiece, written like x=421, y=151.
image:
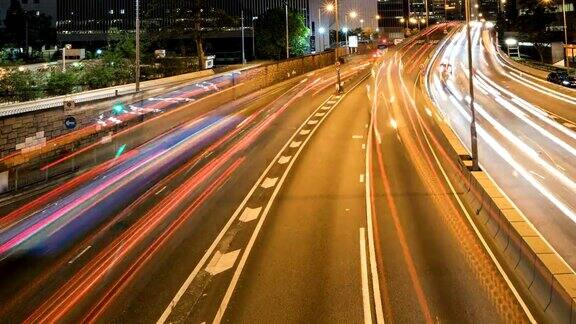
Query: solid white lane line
x=371, y=246
x=250, y=214
x=269, y=183
x=80, y=254
x=364, y=274
x=222, y=262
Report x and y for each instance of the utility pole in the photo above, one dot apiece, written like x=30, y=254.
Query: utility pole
x=137, y=63
x=473, y=133
x=318, y=29
x=243, y=50
x=253, y=38
x=337, y=56
x=565, y=33
x=427, y=14
x=287, y=42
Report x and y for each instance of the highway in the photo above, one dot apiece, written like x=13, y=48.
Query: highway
x=291, y=204
x=526, y=127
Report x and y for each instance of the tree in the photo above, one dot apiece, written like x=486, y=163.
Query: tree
x=60, y=83
x=191, y=19
x=22, y=25
x=20, y=86
x=271, y=31
x=533, y=25
x=15, y=24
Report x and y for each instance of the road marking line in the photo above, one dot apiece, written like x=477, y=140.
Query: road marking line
x=364, y=273
x=569, y=125
x=357, y=137
x=362, y=178
x=80, y=254
x=269, y=183
x=222, y=262
x=186, y=284
x=538, y=175
x=313, y=122
x=304, y=132
x=363, y=146
x=250, y=214
x=284, y=159
x=326, y=107
x=319, y=114
x=159, y=191
x=228, y=295
x=295, y=144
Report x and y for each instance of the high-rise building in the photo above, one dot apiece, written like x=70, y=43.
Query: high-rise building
x=47, y=7
x=393, y=15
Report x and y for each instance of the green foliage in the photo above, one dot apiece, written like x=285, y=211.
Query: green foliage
x=19, y=22
x=20, y=86
x=61, y=83
x=271, y=30
x=99, y=76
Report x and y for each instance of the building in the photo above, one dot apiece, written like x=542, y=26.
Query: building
x=392, y=20
x=47, y=7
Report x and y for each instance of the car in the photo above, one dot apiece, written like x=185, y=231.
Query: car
x=562, y=78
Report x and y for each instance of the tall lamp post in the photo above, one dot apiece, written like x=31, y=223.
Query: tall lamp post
x=334, y=7
x=287, y=46
x=473, y=133
x=565, y=33
x=243, y=45
x=137, y=63
x=254, y=38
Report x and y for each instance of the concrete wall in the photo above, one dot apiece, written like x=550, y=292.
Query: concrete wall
x=41, y=136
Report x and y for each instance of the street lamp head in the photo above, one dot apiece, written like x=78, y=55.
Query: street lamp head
x=402, y=20
x=476, y=6
x=422, y=20
x=361, y=20
x=353, y=14
x=377, y=17
x=329, y=7
x=413, y=20
x=321, y=30
x=345, y=30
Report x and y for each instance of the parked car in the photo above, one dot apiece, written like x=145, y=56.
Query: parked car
x=562, y=78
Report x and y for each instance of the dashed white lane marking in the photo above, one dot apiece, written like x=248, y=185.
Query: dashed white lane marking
x=269, y=183
x=538, y=175
x=326, y=107
x=222, y=262
x=363, y=146
x=284, y=159
x=295, y=144
x=304, y=132
x=250, y=214
x=319, y=114
x=362, y=178
x=312, y=122
x=357, y=137
x=331, y=102
x=80, y=254
x=159, y=191
x=364, y=276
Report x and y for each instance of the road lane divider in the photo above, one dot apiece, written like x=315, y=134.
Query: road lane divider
x=236, y=234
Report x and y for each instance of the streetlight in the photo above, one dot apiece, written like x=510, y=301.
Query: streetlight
x=253, y=38
x=243, y=49
x=287, y=48
x=334, y=7
x=322, y=30
x=137, y=63
x=473, y=133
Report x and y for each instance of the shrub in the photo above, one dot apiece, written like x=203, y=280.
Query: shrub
x=60, y=83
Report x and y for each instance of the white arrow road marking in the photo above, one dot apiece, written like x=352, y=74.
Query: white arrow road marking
x=250, y=214
x=295, y=144
x=312, y=122
x=305, y=132
x=269, y=183
x=284, y=159
x=222, y=262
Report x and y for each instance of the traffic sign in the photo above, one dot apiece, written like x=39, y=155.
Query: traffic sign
x=70, y=122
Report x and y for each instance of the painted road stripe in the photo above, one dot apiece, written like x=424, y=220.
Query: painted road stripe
x=284, y=159
x=295, y=144
x=159, y=191
x=222, y=262
x=357, y=137
x=363, y=146
x=269, y=183
x=312, y=122
x=250, y=214
x=362, y=178
x=364, y=273
x=319, y=114
x=80, y=254
x=304, y=132
x=326, y=107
